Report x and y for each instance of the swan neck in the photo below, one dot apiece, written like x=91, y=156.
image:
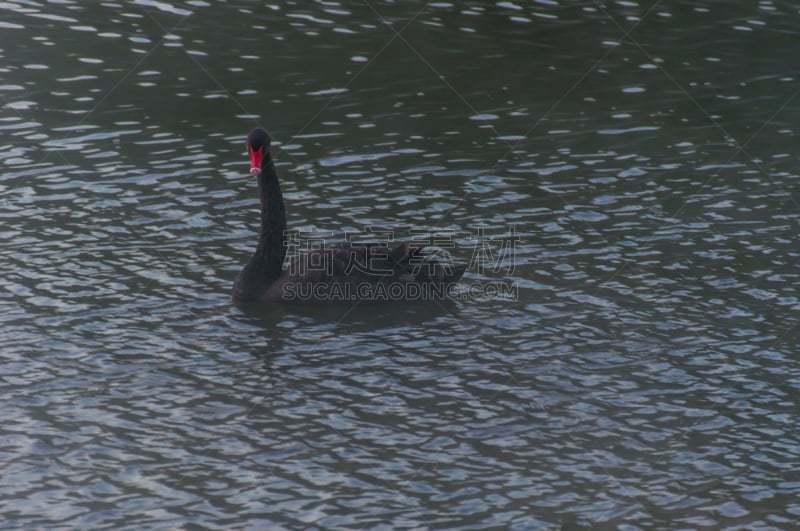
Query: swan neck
x=271, y=246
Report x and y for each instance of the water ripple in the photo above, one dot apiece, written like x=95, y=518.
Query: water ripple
x=642, y=374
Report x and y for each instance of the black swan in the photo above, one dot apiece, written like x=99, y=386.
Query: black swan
x=365, y=272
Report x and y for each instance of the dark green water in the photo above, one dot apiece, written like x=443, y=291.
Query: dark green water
x=641, y=372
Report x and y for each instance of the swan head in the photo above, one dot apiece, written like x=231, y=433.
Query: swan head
x=258, y=143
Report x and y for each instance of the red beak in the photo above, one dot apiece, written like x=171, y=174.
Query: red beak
x=256, y=158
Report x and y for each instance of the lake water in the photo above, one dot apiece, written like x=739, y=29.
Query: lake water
x=621, y=178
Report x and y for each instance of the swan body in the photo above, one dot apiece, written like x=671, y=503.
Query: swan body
x=352, y=272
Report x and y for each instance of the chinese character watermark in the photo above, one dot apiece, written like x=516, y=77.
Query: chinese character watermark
x=373, y=263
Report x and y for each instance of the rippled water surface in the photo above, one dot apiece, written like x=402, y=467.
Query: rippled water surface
x=627, y=170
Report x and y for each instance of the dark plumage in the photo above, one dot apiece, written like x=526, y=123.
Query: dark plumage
x=367, y=272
